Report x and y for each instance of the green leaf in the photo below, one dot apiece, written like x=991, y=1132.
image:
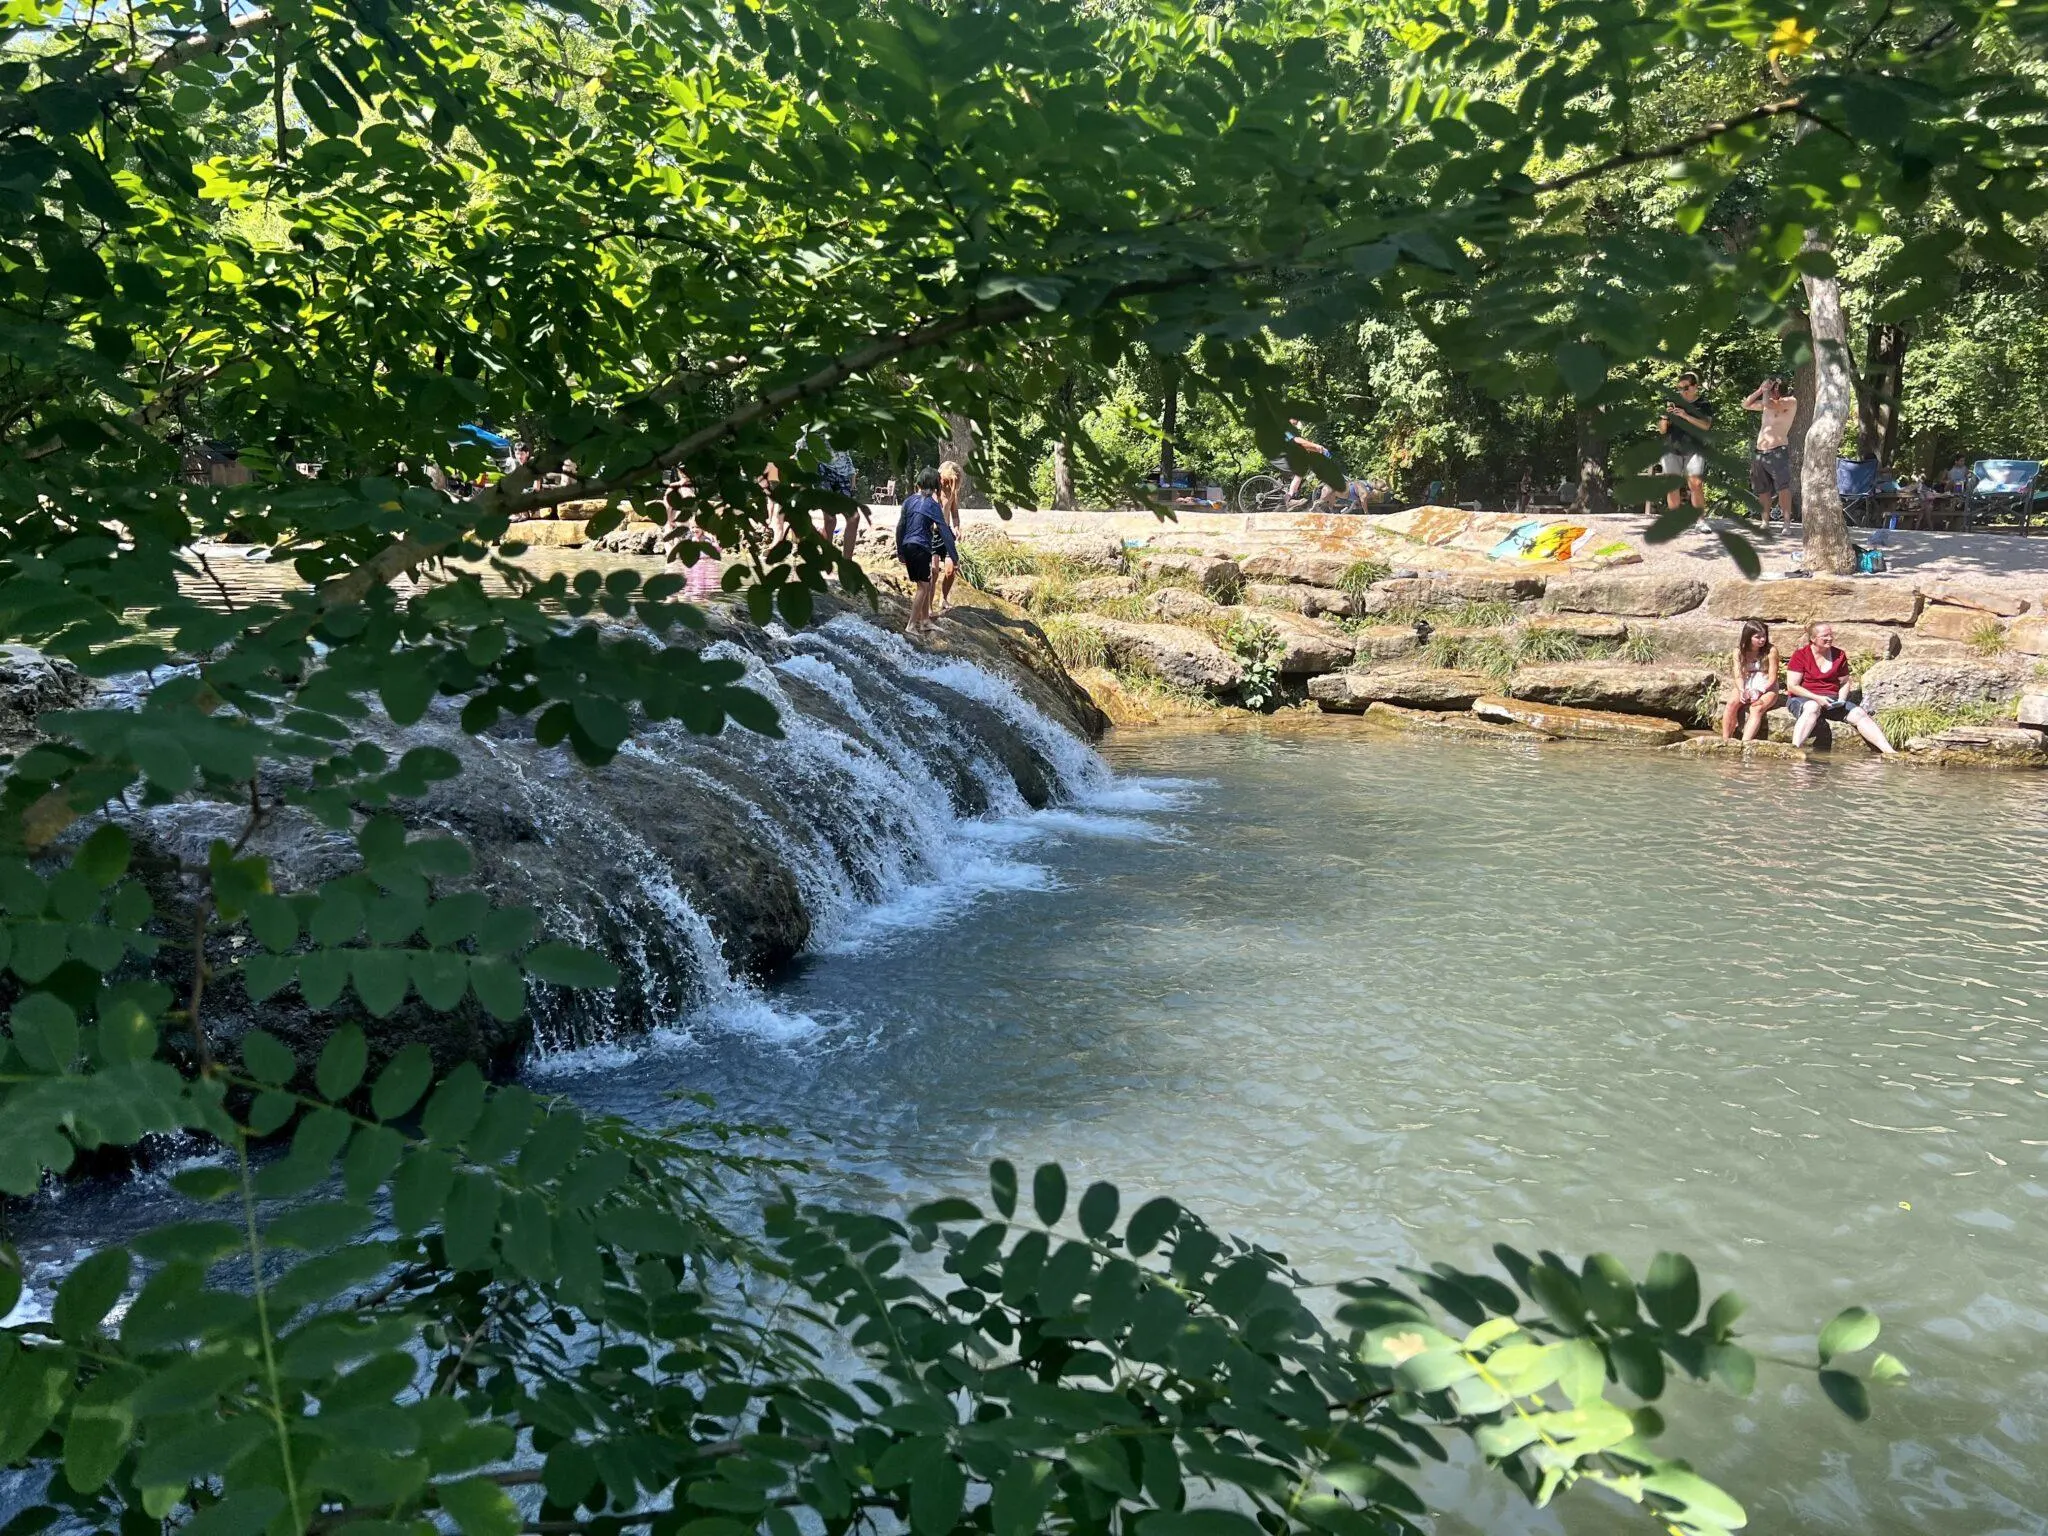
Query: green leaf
x=267, y=1058
x=342, y=1061
x=1702, y=1504
x=1583, y=368
x=1851, y=1329
x=381, y=977
x=938, y=1489
x=1098, y=1208
x=99, y=1434
x=471, y=1224
x=242, y=1513
x=11, y=1279
x=1609, y=1290
x=103, y=857
x=499, y=987
x=567, y=966
x=1049, y=1192
x=1672, y=1290
x=1199, y=1522
x=1721, y=1316
x=1149, y=1224
x=1002, y=1186
x=480, y=1507
x=1888, y=1368
x=89, y=1292
x=452, y=1112
x=45, y=1032
x=400, y=1084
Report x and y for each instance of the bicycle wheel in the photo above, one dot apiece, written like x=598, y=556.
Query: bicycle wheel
x=1262, y=493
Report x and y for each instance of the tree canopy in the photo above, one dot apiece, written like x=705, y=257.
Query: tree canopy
x=684, y=236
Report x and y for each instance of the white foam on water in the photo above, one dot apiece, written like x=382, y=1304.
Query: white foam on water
x=851, y=802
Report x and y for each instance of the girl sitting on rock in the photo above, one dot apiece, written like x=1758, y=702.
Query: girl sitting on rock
x=1756, y=673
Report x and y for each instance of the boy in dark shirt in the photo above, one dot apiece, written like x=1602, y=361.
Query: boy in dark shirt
x=921, y=528
x=1688, y=420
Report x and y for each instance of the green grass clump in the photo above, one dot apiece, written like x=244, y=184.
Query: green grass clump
x=1482, y=613
x=1078, y=644
x=1489, y=655
x=1910, y=720
x=1988, y=638
x=1638, y=647
x=1361, y=574
x=1540, y=645
x=984, y=559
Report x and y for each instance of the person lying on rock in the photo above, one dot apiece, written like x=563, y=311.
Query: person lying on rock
x=1818, y=679
x=1756, y=674
x=920, y=530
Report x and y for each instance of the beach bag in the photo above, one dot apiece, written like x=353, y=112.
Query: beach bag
x=1870, y=562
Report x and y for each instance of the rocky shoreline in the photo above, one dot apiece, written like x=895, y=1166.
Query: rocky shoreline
x=1958, y=673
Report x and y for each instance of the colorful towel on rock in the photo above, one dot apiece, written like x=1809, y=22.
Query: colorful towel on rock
x=1497, y=535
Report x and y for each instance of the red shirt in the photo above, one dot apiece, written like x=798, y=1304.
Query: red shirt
x=1816, y=677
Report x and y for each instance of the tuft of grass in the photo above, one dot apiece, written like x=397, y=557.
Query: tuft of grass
x=1269, y=599
x=1637, y=647
x=1861, y=662
x=1538, y=645
x=994, y=555
x=1361, y=574
x=1488, y=655
x=1910, y=720
x=1988, y=638
x=1078, y=644
x=1480, y=613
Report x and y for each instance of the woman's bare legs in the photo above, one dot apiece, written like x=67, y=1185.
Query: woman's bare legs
x=947, y=571
x=1870, y=730
x=1807, y=723
x=1730, y=716
x=1759, y=710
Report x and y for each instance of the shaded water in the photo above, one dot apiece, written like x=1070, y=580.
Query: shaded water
x=1372, y=1000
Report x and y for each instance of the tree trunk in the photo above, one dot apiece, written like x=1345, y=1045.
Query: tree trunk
x=960, y=449
x=1169, y=422
x=1594, y=496
x=1828, y=551
x=1877, y=398
x=1063, y=497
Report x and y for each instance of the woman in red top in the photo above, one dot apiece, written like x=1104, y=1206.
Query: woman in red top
x=1817, y=677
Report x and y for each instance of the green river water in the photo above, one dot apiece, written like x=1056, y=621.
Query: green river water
x=1371, y=1001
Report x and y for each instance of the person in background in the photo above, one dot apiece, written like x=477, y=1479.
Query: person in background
x=1957, y=481
x=1770, y=471
x=922, y=531
x=947, y=569
x=1297, y=436
x=1688, y=421
x=1755, y=674
x=1817, y=677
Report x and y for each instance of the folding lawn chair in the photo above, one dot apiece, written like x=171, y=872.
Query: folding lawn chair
x=2004, y=488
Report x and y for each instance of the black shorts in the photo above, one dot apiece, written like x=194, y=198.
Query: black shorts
x=917, y=560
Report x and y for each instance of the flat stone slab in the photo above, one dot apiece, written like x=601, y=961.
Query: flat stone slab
x=2028, y=636
x=1450, y=589
x=1580, y=626
x=1172, y=605
x=1305, y=600
x=1941, y=683
x=1308, y=568
x=1418, y=687
x=1444, y=722
x=1957, y=594
x=1837, y=599
x=1184, y=657
x=1635, y=594
x=1212, y=573
x=1580, y=724
x=1743, y=751
x=1942, y=622
x=1387, y=642
x=1982, y=746
x=1617, y=686
x=2033, y=709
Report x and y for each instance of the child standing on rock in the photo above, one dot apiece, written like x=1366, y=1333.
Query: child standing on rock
x=922, y=529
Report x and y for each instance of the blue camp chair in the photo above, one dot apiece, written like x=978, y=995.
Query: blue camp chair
x=1860, y=483
x=2004, y=488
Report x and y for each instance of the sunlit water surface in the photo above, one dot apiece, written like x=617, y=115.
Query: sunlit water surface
x=1371, y=1001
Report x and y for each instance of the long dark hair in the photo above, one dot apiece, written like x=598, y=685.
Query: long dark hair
x=1754, y=630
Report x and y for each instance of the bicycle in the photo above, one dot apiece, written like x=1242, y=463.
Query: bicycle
x=1264, y=493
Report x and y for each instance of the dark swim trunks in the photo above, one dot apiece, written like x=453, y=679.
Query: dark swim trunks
x=917, y=560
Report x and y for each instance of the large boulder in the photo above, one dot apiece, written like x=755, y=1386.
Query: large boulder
x=1446, y=722
x=1387, y=642
x=1880, y=640
x=1307, y=600
x=1312, y=648
x=1186, y=658
x=1102, y=589
x=1695, y=637
x=1304, y=567
x=1746, y=751
x=1677, y=692
x=1448, y=589
x=1580, y=724
x=1911, y=683
x=1982, y=746
x=31, y=683
x=1592, y=627
x=1215, y=575
x=2033, y=709
x=1102, y=553
x=1969, y=625
x=1016, y=589
x=1417, y=687
x=1634, y=594
x=1176, y=605
x=1836, y=599
x=1957, y=594
x=550, y=533
x=2028, y=636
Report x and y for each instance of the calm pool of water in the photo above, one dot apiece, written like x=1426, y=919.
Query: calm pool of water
x=1371, y=1001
